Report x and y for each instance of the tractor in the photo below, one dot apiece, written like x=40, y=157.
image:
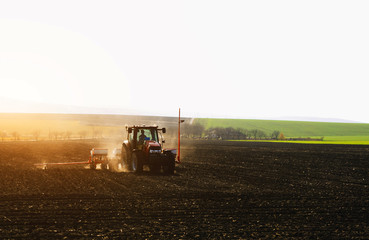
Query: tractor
x=144, y=147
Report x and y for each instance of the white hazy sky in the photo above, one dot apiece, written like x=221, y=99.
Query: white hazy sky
x=232, y=59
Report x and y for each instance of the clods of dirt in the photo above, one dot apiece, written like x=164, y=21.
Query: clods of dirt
x=221, y=190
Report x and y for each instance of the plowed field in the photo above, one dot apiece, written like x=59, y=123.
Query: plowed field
x=222, y=190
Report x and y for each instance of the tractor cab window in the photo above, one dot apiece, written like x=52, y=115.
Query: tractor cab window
x=146, y=135
x=130, y=137
x=143, y=135
x=154, y=134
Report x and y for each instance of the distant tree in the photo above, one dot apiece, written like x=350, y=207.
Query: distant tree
x=275, y=134
x=185, y=129
x=3, y=135
x=242, y=133
x=15, y=135
x=239, y=135
x=248, y=134
x=55, y=134
x=36, y=134
x=192, y=130
x=62, y=135
x=261, y=134
x=68, y=134
x=254, y=133
x=229, y=133
x=282, y=137
x=197, y=129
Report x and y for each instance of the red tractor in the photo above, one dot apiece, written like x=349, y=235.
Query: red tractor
x=144, y=146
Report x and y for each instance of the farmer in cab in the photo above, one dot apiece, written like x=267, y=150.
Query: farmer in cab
x=142, y=137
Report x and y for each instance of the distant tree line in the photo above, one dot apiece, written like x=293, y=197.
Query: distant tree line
x=198, y=131
x=239, y=134
x=36, y=135
x=192, y=130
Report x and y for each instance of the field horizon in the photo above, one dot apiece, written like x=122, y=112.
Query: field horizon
x=37, y=126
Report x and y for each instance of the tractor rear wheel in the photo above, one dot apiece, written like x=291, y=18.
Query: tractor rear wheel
x=154, y=167
x=137, y=165
x=169, y=166
x=126, y=162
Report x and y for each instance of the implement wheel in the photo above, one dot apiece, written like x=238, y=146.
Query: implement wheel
x=93, y=165
x=104, y=166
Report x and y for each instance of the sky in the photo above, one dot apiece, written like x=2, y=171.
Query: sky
x=223, y=59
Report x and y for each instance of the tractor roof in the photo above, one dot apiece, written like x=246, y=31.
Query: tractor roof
x=141, y=126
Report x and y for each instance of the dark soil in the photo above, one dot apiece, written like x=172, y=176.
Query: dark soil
x=221, y=190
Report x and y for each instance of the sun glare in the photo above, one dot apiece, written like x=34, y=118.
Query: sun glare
x=57, y=66
x=20, y=90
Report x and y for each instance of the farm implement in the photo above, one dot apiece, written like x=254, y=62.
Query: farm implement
x=97, y=156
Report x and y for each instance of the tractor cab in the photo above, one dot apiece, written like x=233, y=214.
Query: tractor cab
x=141, y=136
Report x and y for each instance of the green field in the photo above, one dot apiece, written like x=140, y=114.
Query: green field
x=356, y=140
x=333, y=133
